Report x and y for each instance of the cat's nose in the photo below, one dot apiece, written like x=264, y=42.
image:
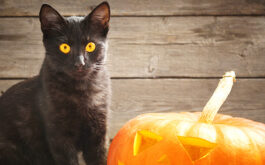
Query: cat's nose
x=78, y=67
x=79, y=62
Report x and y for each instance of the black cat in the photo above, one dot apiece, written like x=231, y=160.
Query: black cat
x=48, y=119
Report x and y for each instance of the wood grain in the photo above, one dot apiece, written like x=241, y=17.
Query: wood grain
x=132, y=97
x=138, y=7
x=152, y=47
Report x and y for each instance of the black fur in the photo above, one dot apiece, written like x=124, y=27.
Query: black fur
x=48, y=119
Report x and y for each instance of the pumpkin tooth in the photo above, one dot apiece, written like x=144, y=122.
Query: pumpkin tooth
x=144, y=139
x=120, y=163
x=164, y=159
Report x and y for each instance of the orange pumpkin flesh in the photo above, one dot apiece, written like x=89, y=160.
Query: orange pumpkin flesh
x=189, y=139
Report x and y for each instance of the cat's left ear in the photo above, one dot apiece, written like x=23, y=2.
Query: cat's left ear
x=50, y=19
x=100, y=17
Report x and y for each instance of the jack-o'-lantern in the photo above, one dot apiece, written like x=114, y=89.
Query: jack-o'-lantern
x=191, y=138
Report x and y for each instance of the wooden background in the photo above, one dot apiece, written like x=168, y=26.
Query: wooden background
x=164, y=56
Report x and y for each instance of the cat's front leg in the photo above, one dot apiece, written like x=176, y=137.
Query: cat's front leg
x=95, y=147
x=95, y=154
x=62, y=149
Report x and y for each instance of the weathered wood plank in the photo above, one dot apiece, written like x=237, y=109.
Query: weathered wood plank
x=132, y=97
x=138, y=7
x=152, y=47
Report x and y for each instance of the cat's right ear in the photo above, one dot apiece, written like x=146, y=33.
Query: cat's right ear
x=50, y=19
x=99, y=19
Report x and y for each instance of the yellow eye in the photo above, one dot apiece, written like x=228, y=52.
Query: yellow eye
x=65, y=48
x=90, y=47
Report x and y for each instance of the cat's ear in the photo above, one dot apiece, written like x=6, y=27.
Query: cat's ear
x=50, y=19
x=100, y=17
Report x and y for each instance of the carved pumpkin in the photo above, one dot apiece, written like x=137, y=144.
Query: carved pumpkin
x=191, y=138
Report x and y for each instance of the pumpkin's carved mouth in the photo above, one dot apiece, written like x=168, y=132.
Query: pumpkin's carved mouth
x=197, y=148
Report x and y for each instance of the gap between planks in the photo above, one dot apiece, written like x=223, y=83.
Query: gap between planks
x=135, y=78
x=136, y=16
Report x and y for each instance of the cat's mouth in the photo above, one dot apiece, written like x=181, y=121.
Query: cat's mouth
x=80, y=72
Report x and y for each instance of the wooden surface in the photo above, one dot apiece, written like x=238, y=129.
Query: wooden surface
x=138, y=7
x=152, y=47
x=164, y=56
x=132, y=97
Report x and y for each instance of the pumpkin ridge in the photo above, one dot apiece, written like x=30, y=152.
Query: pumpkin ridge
x=189, y=132
x=254, y=145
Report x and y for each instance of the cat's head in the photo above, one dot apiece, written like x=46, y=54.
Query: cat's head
x=75, y=46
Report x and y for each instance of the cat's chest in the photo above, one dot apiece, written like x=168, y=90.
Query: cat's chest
x=78, y=100
x=70, y=101
x=73, y=100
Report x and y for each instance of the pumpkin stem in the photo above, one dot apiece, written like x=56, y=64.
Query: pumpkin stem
x=218, y=98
